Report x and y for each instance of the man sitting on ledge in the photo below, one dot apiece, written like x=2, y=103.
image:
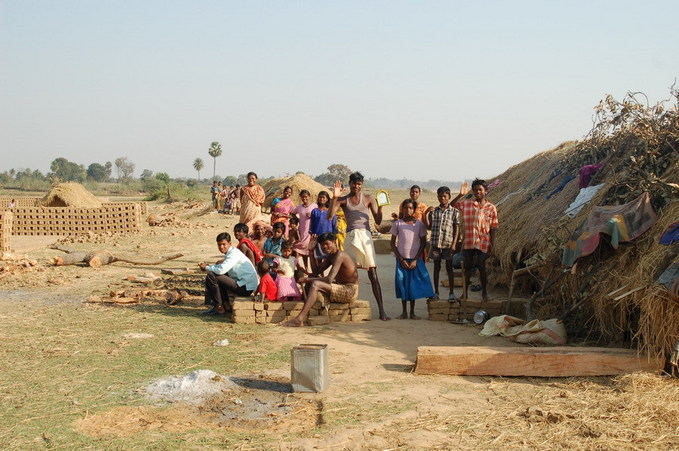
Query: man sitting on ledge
x=341, y=284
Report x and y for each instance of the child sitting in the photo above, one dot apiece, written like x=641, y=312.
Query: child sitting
x=272, y=246
x=245, y=245
x=285, y=270
x=267, y=287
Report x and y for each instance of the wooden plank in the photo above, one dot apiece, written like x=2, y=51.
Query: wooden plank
x=557, y=361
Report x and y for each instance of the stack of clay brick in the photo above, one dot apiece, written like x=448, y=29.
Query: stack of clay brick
x=451, y=311
x=247, y=311
x=5, y=230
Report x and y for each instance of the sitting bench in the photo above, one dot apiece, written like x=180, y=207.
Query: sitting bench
x=247, y=311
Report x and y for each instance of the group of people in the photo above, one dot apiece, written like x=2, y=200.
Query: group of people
x=225, y=199
x=321, y=245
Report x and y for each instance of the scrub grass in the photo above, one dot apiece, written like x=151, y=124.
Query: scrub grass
x=65, y=362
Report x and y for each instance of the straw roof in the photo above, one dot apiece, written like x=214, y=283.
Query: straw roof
x=274, y=187
x=640, y=148
x=70, y=194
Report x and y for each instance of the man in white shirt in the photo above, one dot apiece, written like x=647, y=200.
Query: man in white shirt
x=234, y=275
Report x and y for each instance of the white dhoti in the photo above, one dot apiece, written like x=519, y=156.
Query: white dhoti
x=359, y=246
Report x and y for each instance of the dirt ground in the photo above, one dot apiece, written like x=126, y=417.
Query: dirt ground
x=370, y=363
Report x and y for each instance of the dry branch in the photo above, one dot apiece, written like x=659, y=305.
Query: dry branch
x=100, y=258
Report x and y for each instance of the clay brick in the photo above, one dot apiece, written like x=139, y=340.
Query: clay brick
x=342, y=317
x=276, y=314
x=361, y=317
x=244, y=320
x=438, y=304
x=244, y=313
x=338, y=306
x=438, y=317
x=258, y=306
x=359, y=304
x=290, y=305
x=437, y=311
x=273, y=306
x=318, y=320
x=261, y=320
x=361, y=311
x=243, y=305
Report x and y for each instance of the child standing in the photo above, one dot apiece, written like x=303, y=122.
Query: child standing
x=267, y=287
x=408, y=238
x=285, y=275
x=320, y=224
x=303, y=212
x=293, y=232
x=444, y=223
x=480, y=224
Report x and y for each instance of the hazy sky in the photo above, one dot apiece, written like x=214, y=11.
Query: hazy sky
x=419, y=89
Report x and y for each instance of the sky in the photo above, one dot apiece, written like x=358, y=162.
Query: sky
x=443, y=90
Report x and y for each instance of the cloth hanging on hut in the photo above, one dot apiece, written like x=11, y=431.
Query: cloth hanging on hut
x=671, y=234
x=560, y=188
x=586, y=173
x=621, y=222
x=584, y=196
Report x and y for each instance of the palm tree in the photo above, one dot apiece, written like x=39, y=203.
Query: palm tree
x=215, y=150
x=198, y=165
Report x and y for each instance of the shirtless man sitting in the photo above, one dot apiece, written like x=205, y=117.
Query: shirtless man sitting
x=341, y=284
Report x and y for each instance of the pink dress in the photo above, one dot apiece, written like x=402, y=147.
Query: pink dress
x=285, y=282
x=304, y=215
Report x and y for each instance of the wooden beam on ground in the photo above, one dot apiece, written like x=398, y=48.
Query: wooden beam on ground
x=557, y=361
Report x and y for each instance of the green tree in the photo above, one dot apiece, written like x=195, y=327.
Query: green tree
x=335, y=172
x=99, y=172
x=198, y=164
x=67, y=170
x=146, y=174
x=125, y=168
x=215, y=151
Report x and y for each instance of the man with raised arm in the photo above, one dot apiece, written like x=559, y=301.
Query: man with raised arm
x=341, y=284
x=359, y=244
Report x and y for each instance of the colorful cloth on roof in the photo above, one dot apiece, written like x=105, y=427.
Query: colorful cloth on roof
x=478, y=220
x=586, y=173
x=621, y=222
x=671, y=234
x=563, y=184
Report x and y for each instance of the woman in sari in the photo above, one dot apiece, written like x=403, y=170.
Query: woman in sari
x=281, y=208
x=251, y=197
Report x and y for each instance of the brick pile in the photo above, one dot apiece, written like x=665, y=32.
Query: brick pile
x=247, y=311
x=6, y=220
x=450, y=311
x=113, y=217
x=20, y=202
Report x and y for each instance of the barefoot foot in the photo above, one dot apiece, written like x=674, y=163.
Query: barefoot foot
x=403, y=316
x=292, y=323
x=384, y=317
x=414, y=316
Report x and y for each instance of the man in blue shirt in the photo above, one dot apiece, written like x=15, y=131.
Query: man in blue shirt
x=234, y=275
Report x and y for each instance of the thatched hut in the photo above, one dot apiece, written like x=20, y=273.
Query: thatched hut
x=611, y=295
x=274, y=187
x=70, y=194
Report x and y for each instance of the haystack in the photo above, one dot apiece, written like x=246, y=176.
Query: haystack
x=70, y=194
x=611, y=295
x=274, y=187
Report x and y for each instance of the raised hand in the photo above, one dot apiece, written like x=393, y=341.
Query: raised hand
x=337, y=189
x=464, y=189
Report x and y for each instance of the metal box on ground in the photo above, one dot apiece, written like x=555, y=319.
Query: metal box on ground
x=309, y=369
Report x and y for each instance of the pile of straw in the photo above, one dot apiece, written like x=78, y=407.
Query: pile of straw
x=70, y=194
x=640, y=148
x=274, y=188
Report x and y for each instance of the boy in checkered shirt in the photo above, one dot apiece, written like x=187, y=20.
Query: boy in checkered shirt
x=480, y=223
x=444, y=223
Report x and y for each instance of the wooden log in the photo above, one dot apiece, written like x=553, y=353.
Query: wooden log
x=558, y=361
